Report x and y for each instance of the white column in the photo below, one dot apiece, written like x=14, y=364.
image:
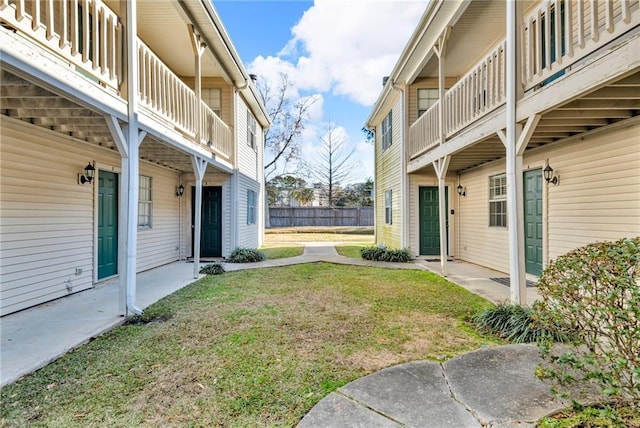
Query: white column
x=134, y=138
x=199, y=168
x=441, y=166
x=198, y=50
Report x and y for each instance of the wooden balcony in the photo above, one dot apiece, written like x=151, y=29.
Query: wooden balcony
x=88, y=35
x=558, y=36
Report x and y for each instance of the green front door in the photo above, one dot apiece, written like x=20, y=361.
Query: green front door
x=533, y=221
x=107, y=224
x=429, y=220
x=211, y=231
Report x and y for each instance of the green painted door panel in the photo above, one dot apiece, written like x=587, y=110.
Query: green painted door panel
x=533, y=221
x=107, y=224
x=429, y=220
x=211, y=233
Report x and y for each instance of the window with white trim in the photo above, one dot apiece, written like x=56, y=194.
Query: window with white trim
x=145, y=203
x=426, y=98
x=388, y=207
x=251, y=130
x=211, y=97
x=252, y=199
x=387, y=131
x=498, y=200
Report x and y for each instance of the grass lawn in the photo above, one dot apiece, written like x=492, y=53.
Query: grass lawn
x=250, y=348
x=352, y=251
x=282, y=252
x=299, y=235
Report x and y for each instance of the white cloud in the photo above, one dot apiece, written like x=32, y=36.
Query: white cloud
x=344, y=46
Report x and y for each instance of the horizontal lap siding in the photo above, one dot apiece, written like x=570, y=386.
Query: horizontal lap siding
x=389, y=177
x=598, y=195
x=47, y=228
x=249, y=178
x=159, y=245
x=479, y=243
x=597, y=198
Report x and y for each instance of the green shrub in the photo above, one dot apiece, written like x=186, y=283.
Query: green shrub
x=512, y=322
x=246, y=255
x=212, y=269
x=593, y=295
x=380, y=253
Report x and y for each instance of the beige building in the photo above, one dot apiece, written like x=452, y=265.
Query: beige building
x=508, y=133
x=131, y=137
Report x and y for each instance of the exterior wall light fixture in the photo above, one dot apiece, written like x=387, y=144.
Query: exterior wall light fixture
x=180, y=190
x=461, y=190
x=89, y=173
x=548, y=175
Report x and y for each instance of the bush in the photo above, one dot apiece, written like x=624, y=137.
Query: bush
x=246, y=255
x=380, y=253
x=593, y=295
x=212, y=269
x=512, y=322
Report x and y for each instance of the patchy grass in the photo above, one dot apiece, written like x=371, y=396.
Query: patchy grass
x=594, y=417
x=283, y=237
x=352, y=251
x=282, y=252
x=250, y=348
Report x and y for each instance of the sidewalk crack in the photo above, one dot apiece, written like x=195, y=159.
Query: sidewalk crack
x=473, y=413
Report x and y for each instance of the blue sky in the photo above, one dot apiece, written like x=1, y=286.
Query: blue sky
x=334, y=50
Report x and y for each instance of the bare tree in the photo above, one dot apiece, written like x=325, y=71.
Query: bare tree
x=288, y=118
x=334, y=163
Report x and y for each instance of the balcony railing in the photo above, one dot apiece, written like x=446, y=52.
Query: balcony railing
x=425, y=133
x=84, y=32
x=88, y=35
x=556, y=35
x=559, y=33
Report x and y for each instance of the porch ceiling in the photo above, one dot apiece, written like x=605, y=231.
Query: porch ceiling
x=162, y=27
x=23, y=100
x=616, y=101
x=482, y=25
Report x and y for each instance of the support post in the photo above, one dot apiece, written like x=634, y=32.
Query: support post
x=441, y=166
x=131, y=162
x=440, y=49
x=199, y=168
x=198, y=50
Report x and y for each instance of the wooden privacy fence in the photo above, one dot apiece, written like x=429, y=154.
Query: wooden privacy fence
x=320, y=216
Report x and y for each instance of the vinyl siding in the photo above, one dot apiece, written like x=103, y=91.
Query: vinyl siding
x=389, y=177
x=479, y=243
x=160, y=244
x=598, y=195
x=249, y=176
x=597, y=198
x=48, y=225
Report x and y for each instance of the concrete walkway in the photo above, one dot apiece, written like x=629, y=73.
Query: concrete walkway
x=494, y=387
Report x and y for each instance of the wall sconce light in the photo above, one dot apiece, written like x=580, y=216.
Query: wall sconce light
x=461, y=190
x=89, y=173
x=548, y=175
x=180, y=190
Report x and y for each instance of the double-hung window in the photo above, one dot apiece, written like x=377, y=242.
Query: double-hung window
x=498, y=200
x=145, y=203
x=252, y=199
x=426, y=98
x=388, y=207
x=387, y=131
x=251, y=130
x=211, y=97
